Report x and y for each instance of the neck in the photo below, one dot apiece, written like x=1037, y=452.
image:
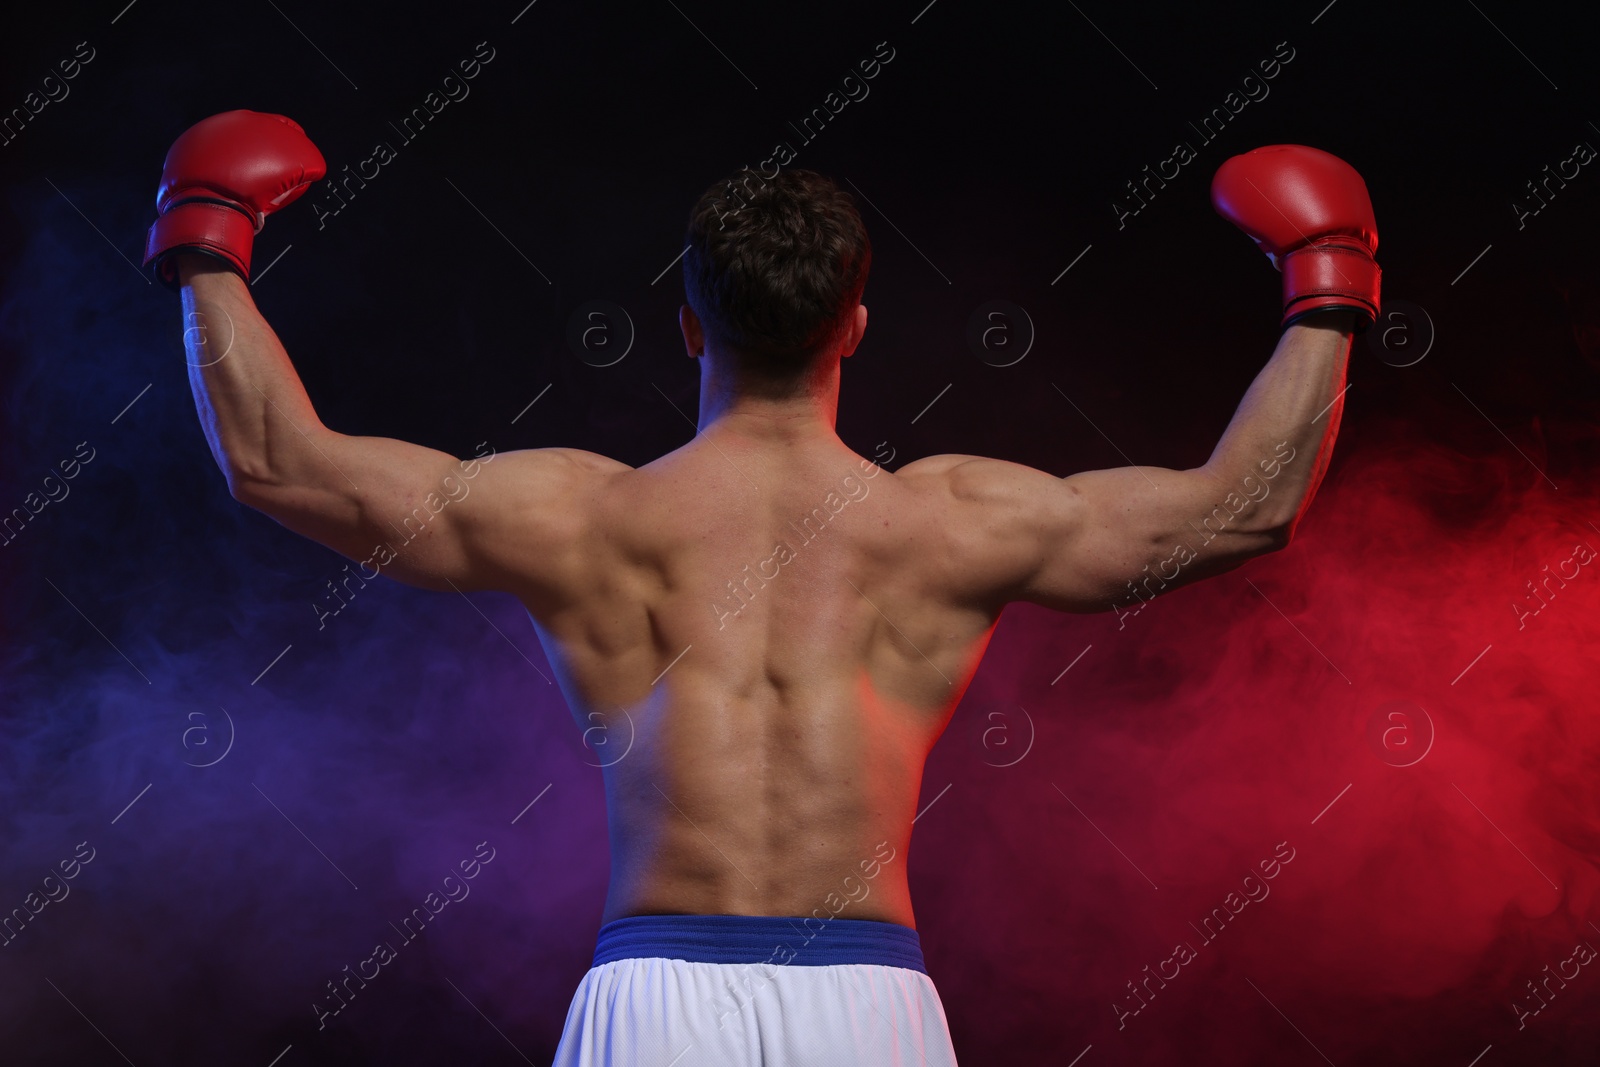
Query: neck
x=729, y=408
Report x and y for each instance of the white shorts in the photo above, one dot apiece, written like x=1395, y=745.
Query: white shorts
x=748, y=990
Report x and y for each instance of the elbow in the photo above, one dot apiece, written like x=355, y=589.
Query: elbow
x=1275, y=526
x=247, y=474
x=242, y=494
x=1277, y=538
x=246, y=486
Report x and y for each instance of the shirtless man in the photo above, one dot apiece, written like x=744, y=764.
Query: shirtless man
x=787, y=627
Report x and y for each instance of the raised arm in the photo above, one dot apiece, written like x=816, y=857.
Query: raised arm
x=422, y=516
x=416, y=514
x=1111, y=539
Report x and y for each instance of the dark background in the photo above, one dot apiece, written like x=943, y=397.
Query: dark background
x=1081, y=823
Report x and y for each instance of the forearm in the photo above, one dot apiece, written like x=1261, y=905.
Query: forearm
x=1281, y=437
x=256, y=415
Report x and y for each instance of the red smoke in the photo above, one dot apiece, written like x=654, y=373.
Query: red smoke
x=1277, y=707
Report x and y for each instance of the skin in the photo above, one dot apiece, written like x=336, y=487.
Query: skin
x=776, y=764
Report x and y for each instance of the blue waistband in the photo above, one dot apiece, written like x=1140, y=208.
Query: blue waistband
x=775, y=939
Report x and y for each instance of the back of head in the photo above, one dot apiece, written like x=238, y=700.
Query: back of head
x=774, y=270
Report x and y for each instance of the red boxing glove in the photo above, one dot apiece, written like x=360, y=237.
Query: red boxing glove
x=1310, y=213
x=222, y=178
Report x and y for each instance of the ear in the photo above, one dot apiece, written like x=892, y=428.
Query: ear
x=858, y=326
x=693, y=339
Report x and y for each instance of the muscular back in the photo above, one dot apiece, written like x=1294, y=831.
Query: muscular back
x=781, y=629
x=776, y=635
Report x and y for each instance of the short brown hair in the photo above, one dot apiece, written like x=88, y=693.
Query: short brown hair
x=775, y=268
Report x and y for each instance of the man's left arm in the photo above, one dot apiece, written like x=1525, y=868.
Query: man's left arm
x=417, y=514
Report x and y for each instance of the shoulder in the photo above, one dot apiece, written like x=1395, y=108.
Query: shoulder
x=551, y=488
x=565, y=460
x=529, y=516
x=996, y=521
x=980, y=480
x=546, y=471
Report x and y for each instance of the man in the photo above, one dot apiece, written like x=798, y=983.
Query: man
x=787, y=627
